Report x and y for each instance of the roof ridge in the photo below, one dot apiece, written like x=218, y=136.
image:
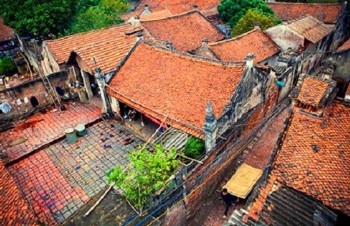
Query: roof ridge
x=193, y=57
x=308, y=16
x=86, y=32
x=174, y=16
x=240, y=36
x=98, y=43
x=234, y=38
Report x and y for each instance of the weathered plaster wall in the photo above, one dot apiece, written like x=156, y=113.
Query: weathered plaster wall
x=29, y=89
x=285, y=38
x=251, y=91
x=49, y=64
x=342, y=62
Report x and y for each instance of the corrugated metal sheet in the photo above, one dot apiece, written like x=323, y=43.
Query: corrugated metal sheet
x=172, y=138
x=287, y=206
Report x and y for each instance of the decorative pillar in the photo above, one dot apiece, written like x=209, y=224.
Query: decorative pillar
x=210, y=128
x=249, y=59
x=101, y=81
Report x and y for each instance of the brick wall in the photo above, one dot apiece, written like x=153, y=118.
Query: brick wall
x=28, y=89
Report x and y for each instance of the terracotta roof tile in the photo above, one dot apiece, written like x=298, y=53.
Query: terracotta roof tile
x=14, y=210
x=186, y=31
x=236, y=49
x=258, y=204
x=312, y=91
x=6, y=33
x=345, y=46
x=310, y=28
x=178, y=6
x=177, y=85
x=62, y=47
x=315, y=156
x=290, y=11
x=156, y=15
x=106, y=55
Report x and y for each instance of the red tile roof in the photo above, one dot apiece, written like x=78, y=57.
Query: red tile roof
x=6, y=33
x=156, y=15
x=236, y=49
x=14, y=209
x=312, y=91
x=315, y=157
x=178, y=6
x=62, y=47
x=345, y=46
x=326, y=12
x=173, y=84
x=258, y=204
x=310, y=28
x=106, y=55
x=186, y=31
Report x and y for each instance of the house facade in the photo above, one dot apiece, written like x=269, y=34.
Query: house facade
x=8, y=40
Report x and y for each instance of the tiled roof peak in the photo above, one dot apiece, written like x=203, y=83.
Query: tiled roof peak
x=174, y=84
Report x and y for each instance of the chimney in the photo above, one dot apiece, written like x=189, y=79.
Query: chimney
x=249, y=60
x=257, y=25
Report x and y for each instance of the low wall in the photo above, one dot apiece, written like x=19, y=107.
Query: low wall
x=27, y=90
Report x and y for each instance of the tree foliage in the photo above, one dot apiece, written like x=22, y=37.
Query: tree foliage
x=194, y=147
x=59, y=17
x=233, y=10
x=6, y=65
x=146, y=174
x=246, y=23
x=104, y=14
x=37, y=16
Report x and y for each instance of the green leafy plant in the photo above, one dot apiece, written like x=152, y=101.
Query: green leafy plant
x=246, y=23
x=233, y=10
x=102, y=15
x=7, y=65
x=194, y=147
x=146, y=174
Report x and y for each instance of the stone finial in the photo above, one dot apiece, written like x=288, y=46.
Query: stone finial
x=135, y=21
x=249, y=59
x=146, y=10
x=205, y=42
x=257, y=25
x=195, y=7
x=210, y=128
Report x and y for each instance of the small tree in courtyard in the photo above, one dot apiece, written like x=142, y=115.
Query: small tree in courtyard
x=146, y=174
x=246, y=23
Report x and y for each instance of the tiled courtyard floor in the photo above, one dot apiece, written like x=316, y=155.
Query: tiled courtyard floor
x=43, y=128
x=61, y=178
